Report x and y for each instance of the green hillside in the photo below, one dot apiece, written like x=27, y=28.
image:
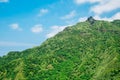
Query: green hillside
x=89, y=50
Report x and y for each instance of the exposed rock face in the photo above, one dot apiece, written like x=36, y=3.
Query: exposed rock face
x=91, y=20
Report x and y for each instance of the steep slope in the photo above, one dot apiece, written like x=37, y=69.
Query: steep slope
x=89, y=50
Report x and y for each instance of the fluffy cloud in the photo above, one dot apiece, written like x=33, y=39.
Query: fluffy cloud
x=82, y=19
x=43, y=11
x=102, y=6
x=18, y=44
x=55, y=30
x=97, y=17
x=37, y=28
x=105, y=6
x=15, y=26
x=84, y=1
x=70, y=15
x=4, y=1
x=114, y=17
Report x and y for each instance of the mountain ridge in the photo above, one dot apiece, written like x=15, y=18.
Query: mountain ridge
x=80, y=52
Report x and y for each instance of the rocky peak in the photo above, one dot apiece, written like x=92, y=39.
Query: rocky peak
x=91, y=20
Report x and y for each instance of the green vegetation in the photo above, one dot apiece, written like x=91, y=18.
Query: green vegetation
x=85, y=51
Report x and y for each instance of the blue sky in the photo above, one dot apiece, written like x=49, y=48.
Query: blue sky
x=27, y=23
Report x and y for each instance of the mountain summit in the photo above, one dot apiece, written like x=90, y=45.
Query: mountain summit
x=91, y=20
x=79, y=52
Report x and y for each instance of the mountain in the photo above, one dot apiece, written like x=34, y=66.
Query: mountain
x=89, y=50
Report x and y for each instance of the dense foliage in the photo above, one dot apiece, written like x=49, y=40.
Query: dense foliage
x=85, y=51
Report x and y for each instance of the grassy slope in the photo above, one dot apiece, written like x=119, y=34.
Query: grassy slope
x=80, y=52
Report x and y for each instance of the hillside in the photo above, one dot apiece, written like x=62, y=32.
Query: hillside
x=89, y=50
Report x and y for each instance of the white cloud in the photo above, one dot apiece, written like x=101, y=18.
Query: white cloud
x=18, y=44
x=102, y=6
x=82, y=19
x=55, y=30
x=15, y=26
x=104, y=18
x=37, y=28
x=97, y=17
x=4, y=1
x=105, y=6
x=114, y=17
x=43, y=11
x=70, y=15
x=84, y=1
